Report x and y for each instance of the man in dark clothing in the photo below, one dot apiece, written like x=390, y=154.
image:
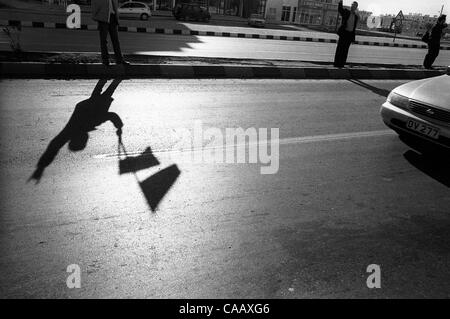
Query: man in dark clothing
x=106, y=13
x=346, y=32
x=434, y=42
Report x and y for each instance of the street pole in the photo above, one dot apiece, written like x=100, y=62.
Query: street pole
x=337, y=21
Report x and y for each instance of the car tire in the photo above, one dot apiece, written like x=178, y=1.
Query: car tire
x=144, y=16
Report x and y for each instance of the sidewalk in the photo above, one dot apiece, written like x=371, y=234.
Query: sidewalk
x=86, y=65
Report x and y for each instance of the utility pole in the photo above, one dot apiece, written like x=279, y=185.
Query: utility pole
x=442, y=9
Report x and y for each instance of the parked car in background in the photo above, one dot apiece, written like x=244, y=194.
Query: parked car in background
x=191, y=11
x=421, y=109
x=134, y=10
x=256, y=20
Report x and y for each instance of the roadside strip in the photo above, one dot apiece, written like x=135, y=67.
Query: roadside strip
x=56, y=25
x=96, y=70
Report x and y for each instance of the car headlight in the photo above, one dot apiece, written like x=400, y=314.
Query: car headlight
x=398, y=100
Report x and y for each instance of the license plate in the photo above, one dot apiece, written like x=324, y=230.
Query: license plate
x=423, y=129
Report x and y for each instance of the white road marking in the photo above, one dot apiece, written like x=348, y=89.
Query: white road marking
x=283, y=141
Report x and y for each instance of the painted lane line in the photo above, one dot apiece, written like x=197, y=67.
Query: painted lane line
x=283, y=141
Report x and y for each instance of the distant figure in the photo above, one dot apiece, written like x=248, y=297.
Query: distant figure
x=346, y=32
x=88, y=114
x=434, y=42
x=106, y=14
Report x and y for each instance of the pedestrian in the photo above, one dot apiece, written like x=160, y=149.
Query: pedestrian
x=346, y=32
x=434, y=42
x=106, y=14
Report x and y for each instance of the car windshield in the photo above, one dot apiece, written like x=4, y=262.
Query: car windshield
x=256, y=16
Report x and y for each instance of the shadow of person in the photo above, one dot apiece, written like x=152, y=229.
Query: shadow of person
x=88, y=114
x=374, y=89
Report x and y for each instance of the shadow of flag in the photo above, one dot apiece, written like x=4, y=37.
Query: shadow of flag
x=132, y=164
x=156, y=186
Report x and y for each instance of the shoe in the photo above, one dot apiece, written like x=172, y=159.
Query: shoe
x=123, y=62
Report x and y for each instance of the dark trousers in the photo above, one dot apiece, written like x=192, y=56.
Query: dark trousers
x=433, y=52
x=340, y=58
x=110, y=28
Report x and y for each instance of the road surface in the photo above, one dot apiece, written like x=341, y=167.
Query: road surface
x=63, y=40
x=348, y=194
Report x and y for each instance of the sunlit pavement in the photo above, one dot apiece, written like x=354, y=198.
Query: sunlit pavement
x=347, y=194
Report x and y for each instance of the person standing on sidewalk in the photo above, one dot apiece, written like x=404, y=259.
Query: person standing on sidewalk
x=106, y=14
x=346, y=32
x=434, y=42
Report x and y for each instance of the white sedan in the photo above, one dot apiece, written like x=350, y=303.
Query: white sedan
x=421, y=109
x=133, y=9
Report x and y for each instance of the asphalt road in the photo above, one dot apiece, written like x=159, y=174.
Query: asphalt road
x=206, y=46
x=348, y=193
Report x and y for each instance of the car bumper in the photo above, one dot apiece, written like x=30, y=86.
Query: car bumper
x=397, y=119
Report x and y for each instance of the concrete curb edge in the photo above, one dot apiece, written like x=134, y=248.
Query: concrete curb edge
x=59, y=70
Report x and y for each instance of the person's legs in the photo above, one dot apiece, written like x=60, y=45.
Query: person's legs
x=114, y=34
x=433, y=52
x=345, y=48
x=338, y=54
x=103, y=30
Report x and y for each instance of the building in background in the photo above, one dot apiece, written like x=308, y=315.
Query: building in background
x=238, y=8
x=320, y=13
x=284, y=11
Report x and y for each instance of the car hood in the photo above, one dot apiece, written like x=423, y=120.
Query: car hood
x=433, y=91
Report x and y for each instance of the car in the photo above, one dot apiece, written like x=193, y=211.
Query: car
x=256, y=20
x=420, y=111
x=133, y=9
x=191, y=11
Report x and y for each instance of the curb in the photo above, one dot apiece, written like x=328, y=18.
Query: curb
x=59, y=70
x=57, y=25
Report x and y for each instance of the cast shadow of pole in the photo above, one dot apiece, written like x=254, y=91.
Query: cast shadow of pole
x=88, y=114
x=374, y=89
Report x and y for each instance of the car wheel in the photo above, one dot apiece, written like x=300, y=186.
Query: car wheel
x=144, y=16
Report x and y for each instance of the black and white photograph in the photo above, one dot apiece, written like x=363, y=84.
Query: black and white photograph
x=213, y=150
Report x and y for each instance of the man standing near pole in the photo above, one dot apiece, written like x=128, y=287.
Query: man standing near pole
x=106, y=14
x=346, y=32
x=434, y=42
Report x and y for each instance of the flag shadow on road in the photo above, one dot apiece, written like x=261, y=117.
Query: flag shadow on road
x=157, y=186
x=137, y=163
x=154, y=187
